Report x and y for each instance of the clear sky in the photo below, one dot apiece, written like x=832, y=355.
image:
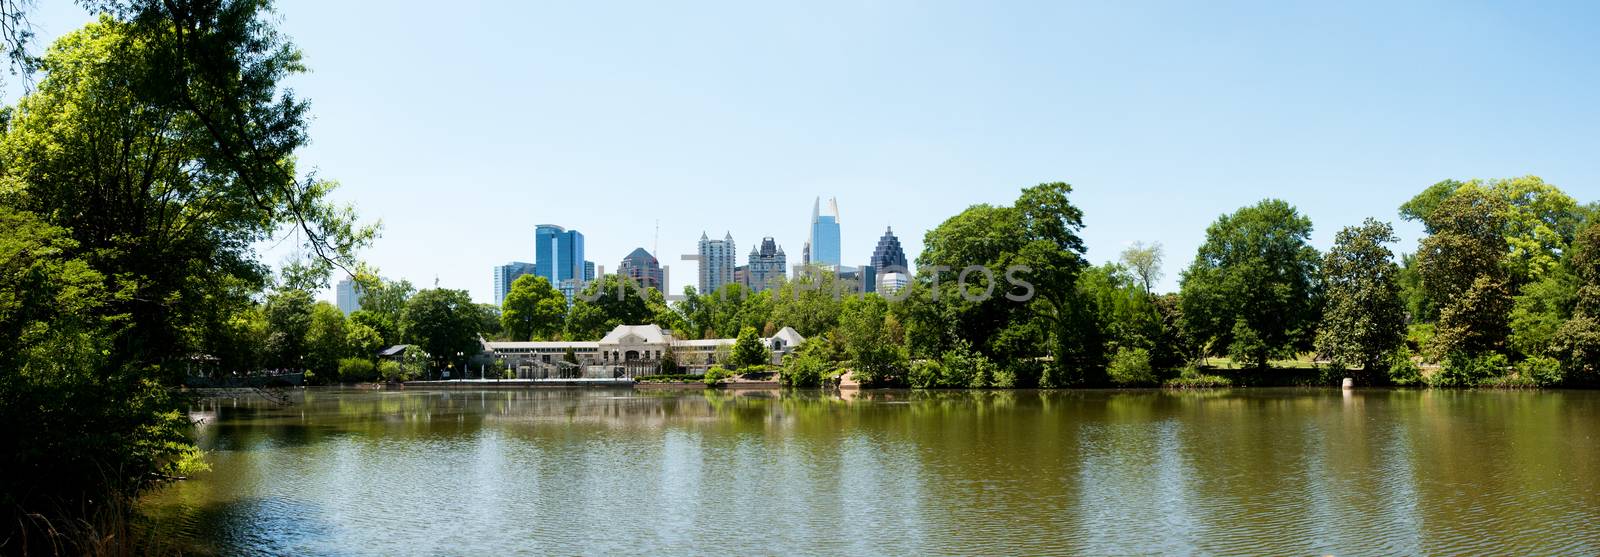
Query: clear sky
x=461, y=127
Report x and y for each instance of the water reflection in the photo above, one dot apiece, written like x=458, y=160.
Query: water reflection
x=1085, y=472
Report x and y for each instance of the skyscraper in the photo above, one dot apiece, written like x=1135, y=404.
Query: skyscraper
x=558, y=257
x=506, y=274
x=348, y=296
x=643, y=268
x=765, y=265
x=716, y=263
x=889, y=267
x=825, y=234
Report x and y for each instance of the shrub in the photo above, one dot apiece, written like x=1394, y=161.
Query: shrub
x=1418, y=336
x=1402, y=370
x=1193, y=378
x=1131, y=367
x=716, y=376
x=926, y=374
x=1462, y=370
x=802, y=370
x=392, y=371
x=1541, y=371
x=357, y=370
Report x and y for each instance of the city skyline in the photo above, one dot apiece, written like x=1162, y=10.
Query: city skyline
x=1163, y=119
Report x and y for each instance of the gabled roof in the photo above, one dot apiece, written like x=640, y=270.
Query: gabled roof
x=635, y=334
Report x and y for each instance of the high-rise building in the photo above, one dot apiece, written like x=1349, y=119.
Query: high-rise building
x=643, y=268
x=558, y=254
x=824, y=235
x=348, y=296
x=887, y=259
x=765, y=266
x=506, y=274
x=716, y=263
x=558, y=257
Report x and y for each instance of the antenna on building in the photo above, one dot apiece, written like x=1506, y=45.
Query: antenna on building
x=655, y=242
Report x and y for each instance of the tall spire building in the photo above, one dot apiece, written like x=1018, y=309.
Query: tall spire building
x=824, y=239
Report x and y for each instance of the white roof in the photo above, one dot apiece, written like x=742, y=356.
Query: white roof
x=789, y=336
x=635, y=334
x=540, y=344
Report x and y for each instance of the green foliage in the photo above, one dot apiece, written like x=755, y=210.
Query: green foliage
x=805, y=367
x=1461, y=369
x=748, y=350
x=443, y=323
x=872, y=339
x=382, y=303
x=1253, y=286
x=138, y=175
x=615, y=300
x=1403, y=370
x=1535, y=220
x=1040, y=232
x=716, y=376
x=1363, y=318
x=1460, y=265
x=357, y=370
x=288, y=314
x=1192, y=378
x=1144, y=260
x=1131, y=368
x=1538, y=312
x=532, y=309
x=810, y=302
x=391, y=371
x=327, y=341
x=1541, y=371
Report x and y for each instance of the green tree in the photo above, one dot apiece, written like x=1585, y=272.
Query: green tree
x=613, y=301
x=443, y=323
x=532, y=309
x=872, y=340
x=288, y=314
x=1461, y=265
x=1363, y=318
x=1145, y=262
x=748, y=350
x=1253, y=286
x=1537, y=219
x=382, y=302
x=160, y=143
x=327, y=340
x=809, y=302
x=1577, y=342
x=363, y=341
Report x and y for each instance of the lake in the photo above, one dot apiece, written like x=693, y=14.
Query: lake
x=590, y=471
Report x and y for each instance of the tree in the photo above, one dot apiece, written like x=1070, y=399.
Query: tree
x=615, y=301
x=1461, y=265
x=160, y=143
x=489, y=321
x=532, y=309
x=443, y=323
x=288, y=314
x=382, y=302
x=1537, y=219
x=1145, y=262
x=1363, y=319
x=866, y=328
x=1253, y=286
x=1576, y=343
x=809, y=302
x=327, y=340
x=748, y=350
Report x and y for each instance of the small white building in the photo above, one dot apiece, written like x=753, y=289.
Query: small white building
x=626, y=351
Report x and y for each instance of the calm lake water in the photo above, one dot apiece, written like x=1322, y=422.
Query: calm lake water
x=1293, y=472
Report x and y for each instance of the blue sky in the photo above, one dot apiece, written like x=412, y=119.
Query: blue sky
x=463, y=127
